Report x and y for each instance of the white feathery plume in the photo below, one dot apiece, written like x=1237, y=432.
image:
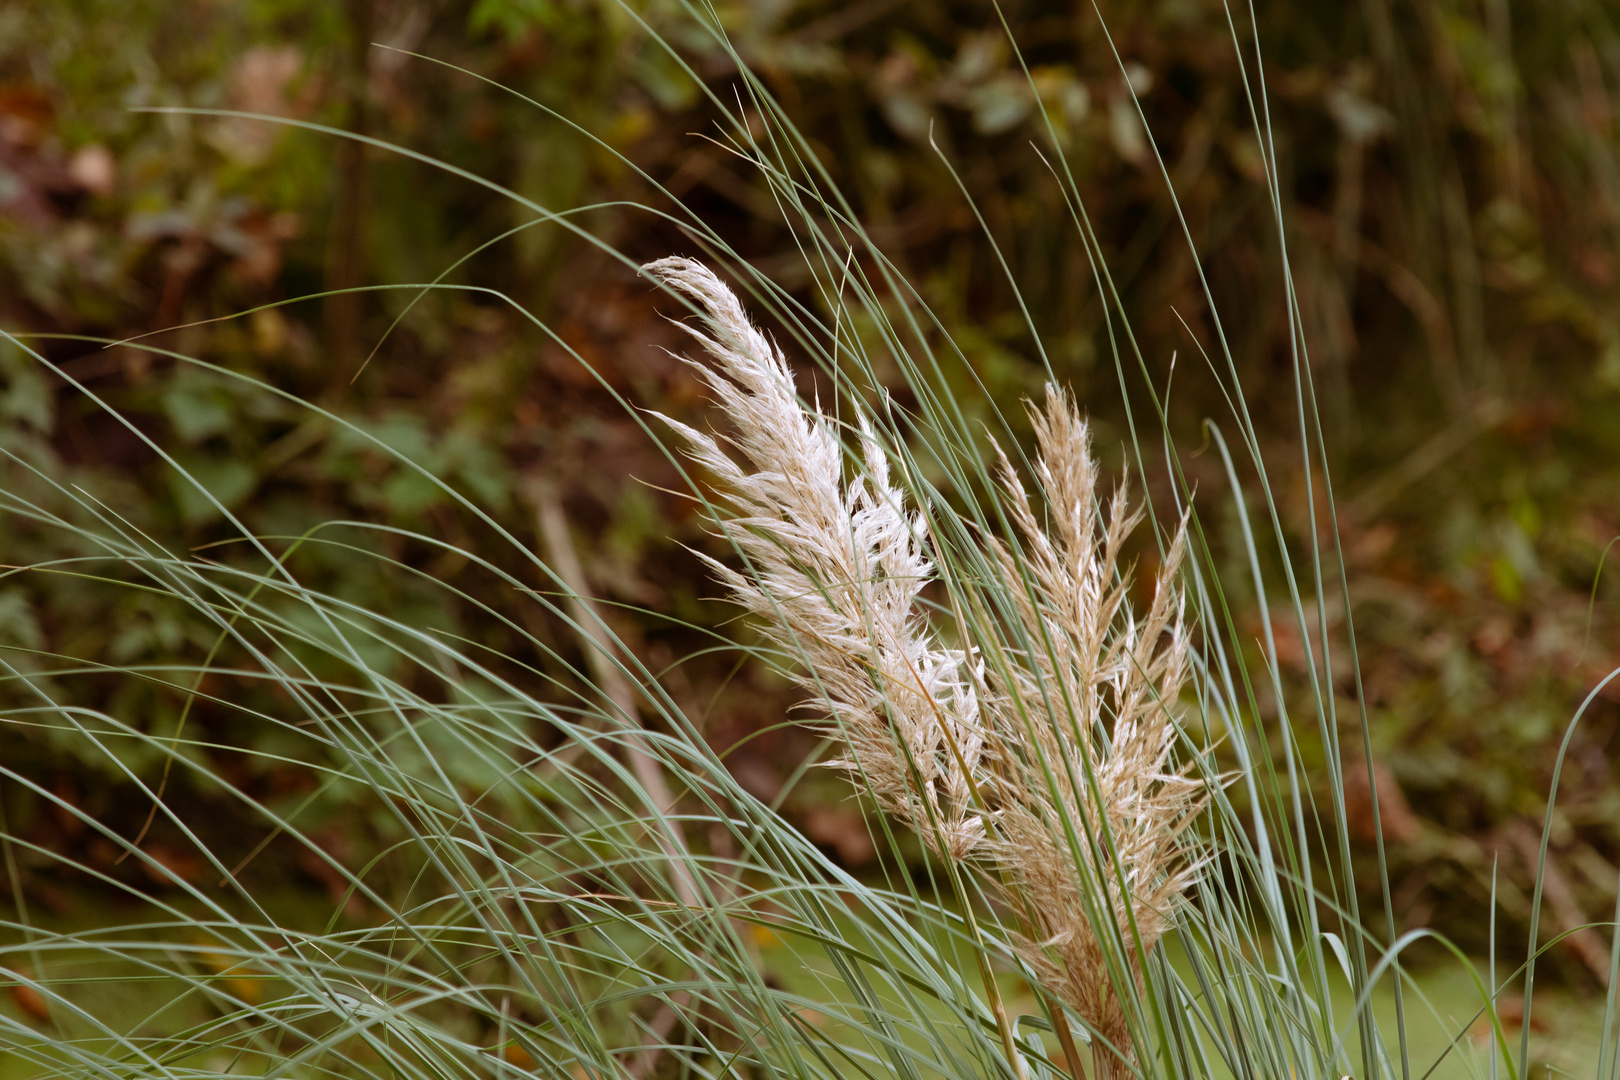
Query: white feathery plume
x=835, y=572
x=1073, y=734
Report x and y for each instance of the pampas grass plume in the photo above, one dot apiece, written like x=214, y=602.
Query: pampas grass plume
x=1052, y=772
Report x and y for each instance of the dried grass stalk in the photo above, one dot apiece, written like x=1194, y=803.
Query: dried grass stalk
x=1054, y=770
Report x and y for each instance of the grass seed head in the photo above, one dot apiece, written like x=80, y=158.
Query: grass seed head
x=1052, y=769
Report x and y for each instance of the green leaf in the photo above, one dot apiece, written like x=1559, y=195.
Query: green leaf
x=198, y=407
x=24, y=395
x=229, y=481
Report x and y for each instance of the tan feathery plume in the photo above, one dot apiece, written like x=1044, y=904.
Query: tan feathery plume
x=1085, y=741
x=1070, y=737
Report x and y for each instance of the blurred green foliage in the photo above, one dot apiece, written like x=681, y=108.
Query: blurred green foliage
x=1451, y=195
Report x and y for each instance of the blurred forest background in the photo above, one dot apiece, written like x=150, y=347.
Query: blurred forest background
x=1451, y=193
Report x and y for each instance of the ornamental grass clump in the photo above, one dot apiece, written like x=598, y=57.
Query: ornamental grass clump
x=1041, y=752
x=569, y=881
